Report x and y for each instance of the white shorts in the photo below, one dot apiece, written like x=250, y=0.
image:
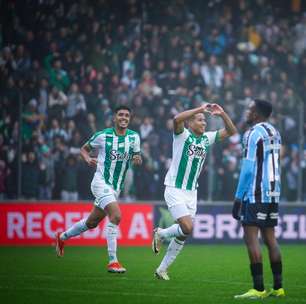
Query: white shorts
x=103, y=193
x=181, y=202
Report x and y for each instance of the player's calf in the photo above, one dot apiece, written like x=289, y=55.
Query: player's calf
x=59, y=245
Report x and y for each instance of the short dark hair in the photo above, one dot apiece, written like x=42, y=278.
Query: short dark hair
x=263, y=107
x=122, y=107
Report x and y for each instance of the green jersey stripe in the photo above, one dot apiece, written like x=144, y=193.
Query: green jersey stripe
x=218, y=137
x=182, y=165
x=121, y=145
x=200, y=166
x=107, y=162
x=193, y=171
x=127, y=165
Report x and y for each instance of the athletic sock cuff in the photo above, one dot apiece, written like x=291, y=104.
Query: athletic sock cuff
x=112, y=225
x=180, y=242
x=180, y=231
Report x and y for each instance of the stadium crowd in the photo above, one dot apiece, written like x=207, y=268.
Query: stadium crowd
x=69, y=63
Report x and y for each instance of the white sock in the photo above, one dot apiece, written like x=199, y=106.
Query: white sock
x=173, y=250
x=74, y=230
x=170, y=232
x=111, y=237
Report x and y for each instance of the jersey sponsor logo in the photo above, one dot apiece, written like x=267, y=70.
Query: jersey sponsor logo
x=197, y=151
x=116, y=155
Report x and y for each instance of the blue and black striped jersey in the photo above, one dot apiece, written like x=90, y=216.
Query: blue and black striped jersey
x=259, y=180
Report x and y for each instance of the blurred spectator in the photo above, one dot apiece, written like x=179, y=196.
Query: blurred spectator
x=58, y=76
x=3, y=176
x=56, y=131
x=215, y=42
x=57, y=103
x=146, y=128
x=31, y=119
x=212, y=73
x=76, y=103
x=46, y=176
x=30, y=176
x=69, y=180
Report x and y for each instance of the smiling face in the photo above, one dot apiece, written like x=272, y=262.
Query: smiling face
x=197, y=124
x=122, y=119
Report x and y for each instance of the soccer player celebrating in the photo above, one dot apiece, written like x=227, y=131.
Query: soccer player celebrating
x=257, y=197
x=116, y=148
x=189, y=150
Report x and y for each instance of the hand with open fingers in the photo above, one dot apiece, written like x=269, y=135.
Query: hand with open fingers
x=216, y=109
x=236, y=210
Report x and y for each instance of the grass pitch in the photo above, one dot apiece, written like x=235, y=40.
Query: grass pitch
x=201, y=274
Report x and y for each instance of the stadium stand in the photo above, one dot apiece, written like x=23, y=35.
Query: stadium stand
x=71, y=62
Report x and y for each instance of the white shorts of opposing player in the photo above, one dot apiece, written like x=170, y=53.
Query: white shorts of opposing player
x=181, y=202
x=103, y=193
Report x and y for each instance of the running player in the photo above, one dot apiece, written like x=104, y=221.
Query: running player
x=116, y=148
x=258, y=193
x=189, y=150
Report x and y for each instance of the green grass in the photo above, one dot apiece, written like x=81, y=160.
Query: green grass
x=201, y=274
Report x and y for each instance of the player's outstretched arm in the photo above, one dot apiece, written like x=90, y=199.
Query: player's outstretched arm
x=230, y=129
x=180, y=118
x=91, y=161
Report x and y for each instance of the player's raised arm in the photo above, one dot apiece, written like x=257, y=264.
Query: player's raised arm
x=180, y=118
x=230, y=128
x=85, y=153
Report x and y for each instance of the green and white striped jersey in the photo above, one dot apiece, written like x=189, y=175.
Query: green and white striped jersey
x=188, y=156
x=114, y=154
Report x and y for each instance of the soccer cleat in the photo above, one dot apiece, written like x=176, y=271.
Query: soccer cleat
x=161, y=275
x=156, y=242
x=279, y=293
x=115, y=267
x=252, y=294
x=59, y=245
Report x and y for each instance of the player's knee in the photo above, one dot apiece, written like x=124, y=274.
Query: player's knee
x=187, y=228
x=91, y=224
x=115, y=218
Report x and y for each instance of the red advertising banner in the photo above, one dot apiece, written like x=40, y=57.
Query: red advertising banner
x=37, y=223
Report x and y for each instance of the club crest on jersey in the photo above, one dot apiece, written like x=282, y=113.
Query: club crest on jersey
x=116, y=155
